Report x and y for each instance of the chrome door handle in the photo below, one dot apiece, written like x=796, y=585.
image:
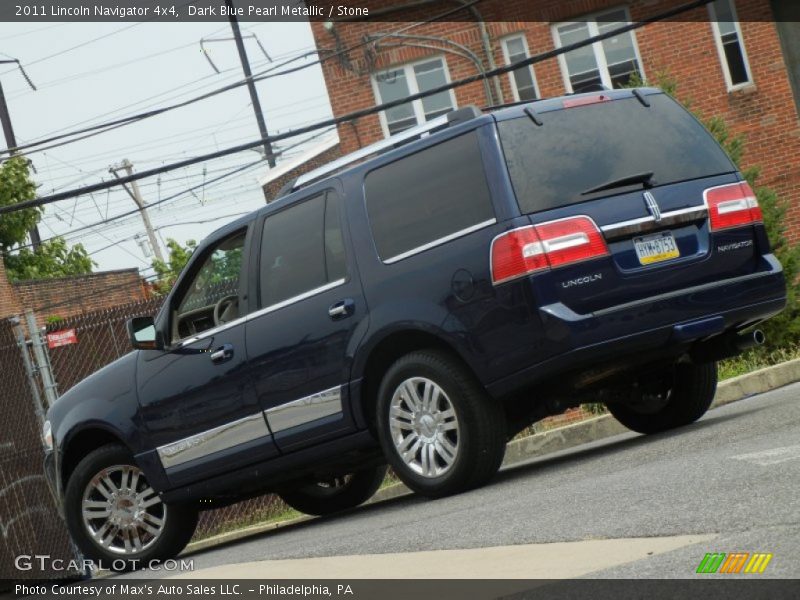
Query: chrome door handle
x=222, y=354
x=343, y=308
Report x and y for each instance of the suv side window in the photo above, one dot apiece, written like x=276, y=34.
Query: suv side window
x=428, y=196
x=302, y=249
x=212, y=296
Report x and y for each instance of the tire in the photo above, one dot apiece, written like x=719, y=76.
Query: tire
x=689, y=397
x=325, y=498
x=453, y=441
x=112, y=498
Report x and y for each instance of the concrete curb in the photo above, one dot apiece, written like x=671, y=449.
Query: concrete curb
x=556, y=440
x=757, y=382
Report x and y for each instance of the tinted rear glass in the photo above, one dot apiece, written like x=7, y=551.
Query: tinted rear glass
x=581, y=148
x=427, y=196
x=302, y=249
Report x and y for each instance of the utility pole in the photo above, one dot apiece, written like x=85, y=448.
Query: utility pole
x=251, y=86
x=134, y=193
x=11, y=142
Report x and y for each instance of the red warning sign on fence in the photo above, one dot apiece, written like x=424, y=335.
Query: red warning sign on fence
x=61, y=338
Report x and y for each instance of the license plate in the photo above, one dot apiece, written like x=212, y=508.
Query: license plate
x=656, y=248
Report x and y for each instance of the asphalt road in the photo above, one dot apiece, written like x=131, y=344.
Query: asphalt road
x=731, y=480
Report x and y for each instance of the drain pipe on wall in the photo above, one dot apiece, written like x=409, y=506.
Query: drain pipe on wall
x=487, y=49
x=463, y=52
x=486, y=41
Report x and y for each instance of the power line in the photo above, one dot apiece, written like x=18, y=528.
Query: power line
x=186, y=136
x=172, y=197
x=280, y=151
x=75, y=76
x=81, y=45
x=177, y=195
x=359, y=113
x=93, y=40
x=34, y=31
x=188, y=84
x=267, y=74
x=159, y=228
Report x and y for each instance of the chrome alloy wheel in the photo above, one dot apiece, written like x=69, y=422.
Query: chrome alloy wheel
x=121, y=512
x=424, y=427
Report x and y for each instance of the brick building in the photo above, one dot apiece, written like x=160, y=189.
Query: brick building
x=734, y=58
x=69, y=296
x=273, y=180
x=9, y=303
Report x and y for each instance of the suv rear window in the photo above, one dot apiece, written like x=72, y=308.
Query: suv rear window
x=581, y=148
x=427, y=196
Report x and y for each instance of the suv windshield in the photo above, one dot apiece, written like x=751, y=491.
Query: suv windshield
x=584, y=148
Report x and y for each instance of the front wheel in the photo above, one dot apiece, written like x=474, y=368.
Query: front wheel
x=685, y=396
x=117, y=519
x=337, y=494
x=440, y=431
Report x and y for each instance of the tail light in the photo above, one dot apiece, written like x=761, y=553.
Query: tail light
x=732, y=206
x=534, y=248
x=585, y=100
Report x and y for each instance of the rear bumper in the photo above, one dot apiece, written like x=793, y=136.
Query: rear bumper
x=658, y=322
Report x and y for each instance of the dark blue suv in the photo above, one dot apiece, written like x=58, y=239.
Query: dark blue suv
x=418, y=303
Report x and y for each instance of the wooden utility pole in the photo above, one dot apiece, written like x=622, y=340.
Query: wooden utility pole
x=251, y=86
x=133, y=192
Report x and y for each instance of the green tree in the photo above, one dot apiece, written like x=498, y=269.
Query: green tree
x=15, y=187
x=53, y=258
x=168, y=271
x=783, y=329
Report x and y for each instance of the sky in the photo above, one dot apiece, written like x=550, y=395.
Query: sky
x=89, y=73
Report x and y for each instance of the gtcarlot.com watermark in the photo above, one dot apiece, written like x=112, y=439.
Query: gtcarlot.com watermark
x=45, y=563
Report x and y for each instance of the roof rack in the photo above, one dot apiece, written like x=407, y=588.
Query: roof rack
x=454, y=117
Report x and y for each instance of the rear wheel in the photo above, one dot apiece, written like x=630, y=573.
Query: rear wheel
x=684, y=397
x=440, y=430
x=337, y=494
x=117, y=519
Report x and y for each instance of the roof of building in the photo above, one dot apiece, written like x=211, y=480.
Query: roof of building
x=289, y=165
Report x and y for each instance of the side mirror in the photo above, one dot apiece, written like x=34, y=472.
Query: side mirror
x=143, y=334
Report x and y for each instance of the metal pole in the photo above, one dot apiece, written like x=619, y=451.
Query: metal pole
x=251, y=86
x=42, y=362
x=11, y=142
x=136, y=194
x=22, y=344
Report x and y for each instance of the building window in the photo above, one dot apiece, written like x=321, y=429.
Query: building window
x=609, y=63
x=730, y=44
x=523, y=80
x=401, y=82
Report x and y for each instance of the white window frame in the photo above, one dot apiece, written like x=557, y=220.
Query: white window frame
x=408, y=69
x=597, y=47
x=723, y=60
x=506, y=54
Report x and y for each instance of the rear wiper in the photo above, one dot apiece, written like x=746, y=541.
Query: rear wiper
x=645, y=179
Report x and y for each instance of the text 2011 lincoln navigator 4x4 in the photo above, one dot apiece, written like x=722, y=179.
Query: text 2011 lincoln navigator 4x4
x=417, y=303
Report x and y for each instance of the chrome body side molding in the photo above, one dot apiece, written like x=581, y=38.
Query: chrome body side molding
x=213, y=440
x=305, y=410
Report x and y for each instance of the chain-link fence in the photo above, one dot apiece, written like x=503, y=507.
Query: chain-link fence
x=101, y=338
x=29, y=522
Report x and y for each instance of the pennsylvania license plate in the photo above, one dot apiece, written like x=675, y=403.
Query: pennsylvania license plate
x=656, y=248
